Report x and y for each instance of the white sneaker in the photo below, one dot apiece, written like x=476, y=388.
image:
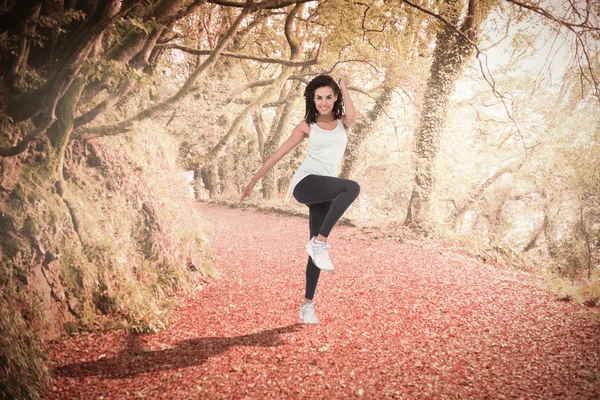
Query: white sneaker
x=319, y=252
x=307, y=314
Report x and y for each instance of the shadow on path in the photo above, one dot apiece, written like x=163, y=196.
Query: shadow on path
x=188, y=353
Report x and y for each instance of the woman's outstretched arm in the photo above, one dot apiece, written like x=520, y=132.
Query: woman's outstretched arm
x=349, y=117
x=301, y=131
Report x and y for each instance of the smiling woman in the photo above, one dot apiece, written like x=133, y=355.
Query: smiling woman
x=326, y=126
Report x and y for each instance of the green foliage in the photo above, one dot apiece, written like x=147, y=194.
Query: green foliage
x=123, y=27
x=58, y=21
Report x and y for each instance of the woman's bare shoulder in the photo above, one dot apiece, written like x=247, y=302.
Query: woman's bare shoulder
x=303, y=127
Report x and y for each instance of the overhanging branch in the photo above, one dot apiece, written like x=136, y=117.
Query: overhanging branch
x=187, y=87
x=263, y=5
x=445, y=21
x=571, y=25
x=287, y=63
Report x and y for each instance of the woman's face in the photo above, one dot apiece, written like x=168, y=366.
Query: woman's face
x=325, y=98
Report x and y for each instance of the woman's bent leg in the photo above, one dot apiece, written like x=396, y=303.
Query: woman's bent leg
x=316, y=189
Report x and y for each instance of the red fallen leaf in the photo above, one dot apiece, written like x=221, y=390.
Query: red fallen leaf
x=383, y=313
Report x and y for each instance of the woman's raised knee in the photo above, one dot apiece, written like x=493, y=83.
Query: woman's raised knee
x=353, y=188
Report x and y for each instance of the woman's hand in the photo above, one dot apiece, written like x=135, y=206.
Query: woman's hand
x=344, y=82
x=248, y=191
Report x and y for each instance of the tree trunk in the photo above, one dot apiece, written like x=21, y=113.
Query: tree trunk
x=274, y=140
x=259, y=126
x=361, y=131
x=19, y=62
x=550, y=231
x=449, y=57
x=533, y=241
x=59, y=135
x=45, y=98
x=210, y=177
x=18, y=14
x=60, y=132
x=588, y=243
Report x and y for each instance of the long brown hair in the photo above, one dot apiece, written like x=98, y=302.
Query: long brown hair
x=309, y=95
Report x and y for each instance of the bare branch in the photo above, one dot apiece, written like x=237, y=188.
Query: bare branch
x=264, y=5
x=250, y=85
x=268, y=82
x=578, y=29
x=287, y=63
x=589, y=66
x=100, y=108
x=480, y=191
x=571, y=25
x=446, y=22
x=289, y=36
x=270, y=104
x=189, y=9
x=370, y=64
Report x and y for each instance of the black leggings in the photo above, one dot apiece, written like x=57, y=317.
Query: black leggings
x=327, y=199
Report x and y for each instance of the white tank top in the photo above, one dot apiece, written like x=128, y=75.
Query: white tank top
x=325, y=152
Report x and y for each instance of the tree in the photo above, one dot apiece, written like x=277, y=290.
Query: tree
x=97, y=56
x=449, y=57
x=361, y=131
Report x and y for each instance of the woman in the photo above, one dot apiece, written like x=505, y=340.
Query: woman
x=314, y=184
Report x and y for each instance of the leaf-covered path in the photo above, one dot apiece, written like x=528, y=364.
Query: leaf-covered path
x=397, y=320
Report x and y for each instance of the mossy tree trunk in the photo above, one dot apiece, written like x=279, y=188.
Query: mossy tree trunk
x=59, y=135
x=449, y=57
x=44, y=99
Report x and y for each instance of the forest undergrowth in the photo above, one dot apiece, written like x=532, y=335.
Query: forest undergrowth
x=109, y=255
